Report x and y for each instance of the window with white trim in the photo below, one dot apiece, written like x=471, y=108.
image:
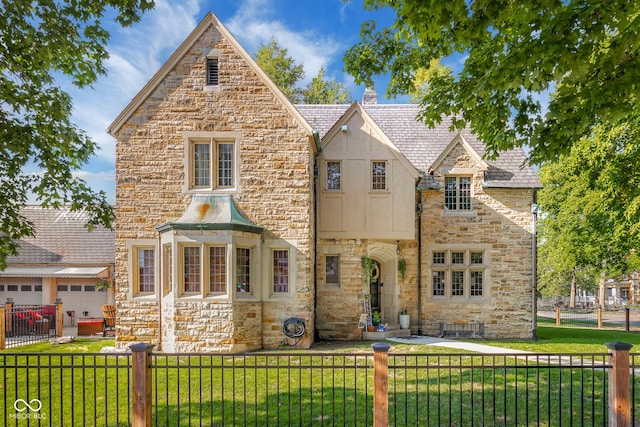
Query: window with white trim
x=457, y=193
x=211, y=162
x=334, y=175
x=379, y=175
x=458, y=273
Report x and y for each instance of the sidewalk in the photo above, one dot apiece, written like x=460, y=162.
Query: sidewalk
x=456, y=345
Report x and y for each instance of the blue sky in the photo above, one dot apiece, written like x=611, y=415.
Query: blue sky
x=315, y=33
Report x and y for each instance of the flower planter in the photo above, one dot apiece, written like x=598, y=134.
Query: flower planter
x=405, y=320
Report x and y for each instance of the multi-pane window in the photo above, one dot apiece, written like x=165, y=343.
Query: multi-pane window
x=333, y=176
x=225, y=165
x=332, y=269
x=438, y=283
x=217, y=269
x=378, y=175
x=457, y=193
x=458, y=273
x=146, y=265
x=212, y=164
x=457, y=283
x=280, y=271
x=201, y=165
x=476, y=283
x=191, y=265
x=243, y=269
x=212, y=71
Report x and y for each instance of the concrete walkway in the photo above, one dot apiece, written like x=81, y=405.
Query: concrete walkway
x=455, y=345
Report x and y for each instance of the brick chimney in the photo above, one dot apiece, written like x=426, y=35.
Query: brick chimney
x=370, y=97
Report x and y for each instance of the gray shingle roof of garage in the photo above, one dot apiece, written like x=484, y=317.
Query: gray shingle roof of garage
x=62, y=238
x=422, y=145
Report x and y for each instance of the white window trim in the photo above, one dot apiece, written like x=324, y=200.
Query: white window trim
x=467, y=267
x=212, y=138
x=133, y=246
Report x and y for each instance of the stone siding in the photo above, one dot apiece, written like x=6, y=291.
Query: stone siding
x=275, y=193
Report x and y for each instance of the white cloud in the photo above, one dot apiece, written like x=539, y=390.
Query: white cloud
x=253, y=25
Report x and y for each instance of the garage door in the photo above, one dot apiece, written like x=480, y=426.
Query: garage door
x=80, y=296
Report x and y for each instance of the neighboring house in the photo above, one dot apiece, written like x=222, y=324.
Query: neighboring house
x=63, y=260
x=237, y=211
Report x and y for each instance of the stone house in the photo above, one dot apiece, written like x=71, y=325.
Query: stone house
x=63, y=260
x=237, y=211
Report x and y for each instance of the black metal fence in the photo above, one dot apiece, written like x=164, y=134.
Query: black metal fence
x=26, y=324
x=65, y=389
x=312, y=389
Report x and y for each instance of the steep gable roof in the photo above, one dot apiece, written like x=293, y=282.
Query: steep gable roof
x=209, y=20
x=61, y=238
x=357, y=108
x=422, y=145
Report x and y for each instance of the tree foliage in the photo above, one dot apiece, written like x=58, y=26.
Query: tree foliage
x=591, y=205
x=583, y=53
x=281, y=68
x=40, y=39
x=286, y=74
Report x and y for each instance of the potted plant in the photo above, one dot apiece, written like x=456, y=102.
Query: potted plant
x=402, y=267
x=376, y=318
x=103, y=285
x=405, y=319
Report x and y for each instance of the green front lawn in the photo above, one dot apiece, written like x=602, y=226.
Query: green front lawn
x=331, y=383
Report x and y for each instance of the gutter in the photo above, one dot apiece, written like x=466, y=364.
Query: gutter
x=419, y=211
x=534, y=266
x=316, y=138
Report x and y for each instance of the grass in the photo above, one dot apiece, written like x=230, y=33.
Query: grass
x=330, y=384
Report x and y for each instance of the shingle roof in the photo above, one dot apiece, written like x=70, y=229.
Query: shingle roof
x=62, y=238
x=422, y=145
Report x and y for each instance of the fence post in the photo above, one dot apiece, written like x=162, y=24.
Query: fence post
x=3, y=342
x=626, y=319
x=59, y=316
x=600, y=317
x=141, y=378
x=619, y=393
x=557, y=315
x=380, y=384
x=8, y=306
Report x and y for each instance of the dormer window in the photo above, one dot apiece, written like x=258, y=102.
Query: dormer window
x=212, y=71
x=457, y=193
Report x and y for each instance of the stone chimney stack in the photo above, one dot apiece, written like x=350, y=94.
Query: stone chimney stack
x=370, y=97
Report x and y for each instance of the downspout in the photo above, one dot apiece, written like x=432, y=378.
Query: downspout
x=534, y=267
x=419, y=210
x=160, y=291
x=316, y=139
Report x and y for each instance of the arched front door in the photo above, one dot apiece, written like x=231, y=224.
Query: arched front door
x=375, y=287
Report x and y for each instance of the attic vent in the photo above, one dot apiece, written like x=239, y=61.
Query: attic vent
x=212, y=71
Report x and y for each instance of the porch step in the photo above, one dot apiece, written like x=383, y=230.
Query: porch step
x=393, y=331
